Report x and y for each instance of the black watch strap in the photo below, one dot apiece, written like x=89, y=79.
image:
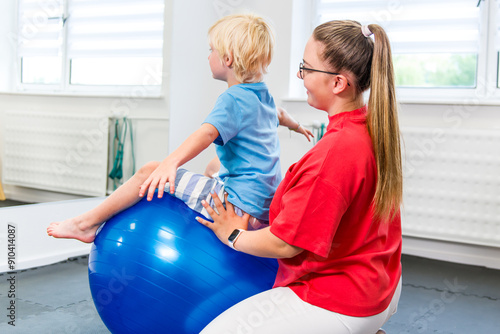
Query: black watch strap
x=234, y=236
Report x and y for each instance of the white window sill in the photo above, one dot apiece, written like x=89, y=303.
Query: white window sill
x=134, y=92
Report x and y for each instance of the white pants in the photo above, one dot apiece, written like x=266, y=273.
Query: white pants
x=279, y=311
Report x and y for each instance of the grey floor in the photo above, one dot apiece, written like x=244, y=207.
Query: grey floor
x=437, y=297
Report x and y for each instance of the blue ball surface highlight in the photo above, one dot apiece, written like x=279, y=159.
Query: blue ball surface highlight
x=154, y=269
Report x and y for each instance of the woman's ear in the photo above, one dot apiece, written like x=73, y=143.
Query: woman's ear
x=339, y=84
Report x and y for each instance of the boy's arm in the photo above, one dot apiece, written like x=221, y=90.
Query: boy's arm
x=286, y=120
x=167, y=170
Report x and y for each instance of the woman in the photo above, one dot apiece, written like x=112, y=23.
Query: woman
x=335, y=220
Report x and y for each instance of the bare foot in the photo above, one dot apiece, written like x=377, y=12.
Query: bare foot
x=74, y=228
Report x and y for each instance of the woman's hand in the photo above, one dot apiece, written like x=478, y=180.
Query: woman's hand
x=259, y=243
x=164, y=173
x=225, y=221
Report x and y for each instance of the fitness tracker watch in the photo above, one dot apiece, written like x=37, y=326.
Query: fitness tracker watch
x=234, y=236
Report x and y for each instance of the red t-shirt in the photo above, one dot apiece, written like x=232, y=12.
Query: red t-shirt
x=351, y=263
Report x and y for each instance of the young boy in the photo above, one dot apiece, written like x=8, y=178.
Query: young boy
x=242, y=124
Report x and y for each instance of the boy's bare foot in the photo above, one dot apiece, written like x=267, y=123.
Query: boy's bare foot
x=74, y=228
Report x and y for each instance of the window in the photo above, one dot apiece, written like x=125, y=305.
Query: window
x=90, y=45
x=40, y=36
x=435, y=43
x=443, y=50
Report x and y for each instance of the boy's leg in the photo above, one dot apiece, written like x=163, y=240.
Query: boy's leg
x=213, y=167
x=192, y=188
x=84, y=226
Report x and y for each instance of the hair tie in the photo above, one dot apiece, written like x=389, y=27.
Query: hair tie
x=366, y=31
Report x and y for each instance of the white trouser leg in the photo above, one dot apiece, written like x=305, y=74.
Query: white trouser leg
x=279, y=310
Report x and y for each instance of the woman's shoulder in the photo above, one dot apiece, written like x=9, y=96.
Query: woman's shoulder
x=351, y=136
x=342, y=149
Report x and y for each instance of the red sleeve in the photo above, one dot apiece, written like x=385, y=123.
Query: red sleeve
x=308, y=215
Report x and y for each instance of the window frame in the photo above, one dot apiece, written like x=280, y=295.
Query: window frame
x=486, y=91
x=65, y=88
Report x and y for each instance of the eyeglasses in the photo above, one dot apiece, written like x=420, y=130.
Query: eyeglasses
x=302, y=68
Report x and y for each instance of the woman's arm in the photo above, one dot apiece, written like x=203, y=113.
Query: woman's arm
x=264, y=244
x=166, y=171
x=259, y=243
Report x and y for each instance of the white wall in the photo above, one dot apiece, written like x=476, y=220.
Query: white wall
x=151, y=135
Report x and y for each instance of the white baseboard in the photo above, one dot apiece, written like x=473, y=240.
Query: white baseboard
x=31, y=195
x=452, y=252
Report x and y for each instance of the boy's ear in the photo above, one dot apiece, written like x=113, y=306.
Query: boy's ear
x=228, y=59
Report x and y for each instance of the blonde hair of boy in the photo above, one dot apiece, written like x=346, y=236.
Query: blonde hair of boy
x=250, y=42
x=346, y=48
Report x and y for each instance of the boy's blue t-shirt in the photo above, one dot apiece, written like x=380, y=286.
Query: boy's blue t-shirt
x=248, y=146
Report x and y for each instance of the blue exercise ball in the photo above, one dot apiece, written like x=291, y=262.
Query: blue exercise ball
x=154, y=269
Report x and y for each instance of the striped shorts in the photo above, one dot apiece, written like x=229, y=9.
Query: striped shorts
x=192, y=188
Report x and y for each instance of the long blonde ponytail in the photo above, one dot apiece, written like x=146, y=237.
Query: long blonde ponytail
x=383, y=127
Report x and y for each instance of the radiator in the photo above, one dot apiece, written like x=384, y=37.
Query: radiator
x=452, y=185
x=57, y=152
